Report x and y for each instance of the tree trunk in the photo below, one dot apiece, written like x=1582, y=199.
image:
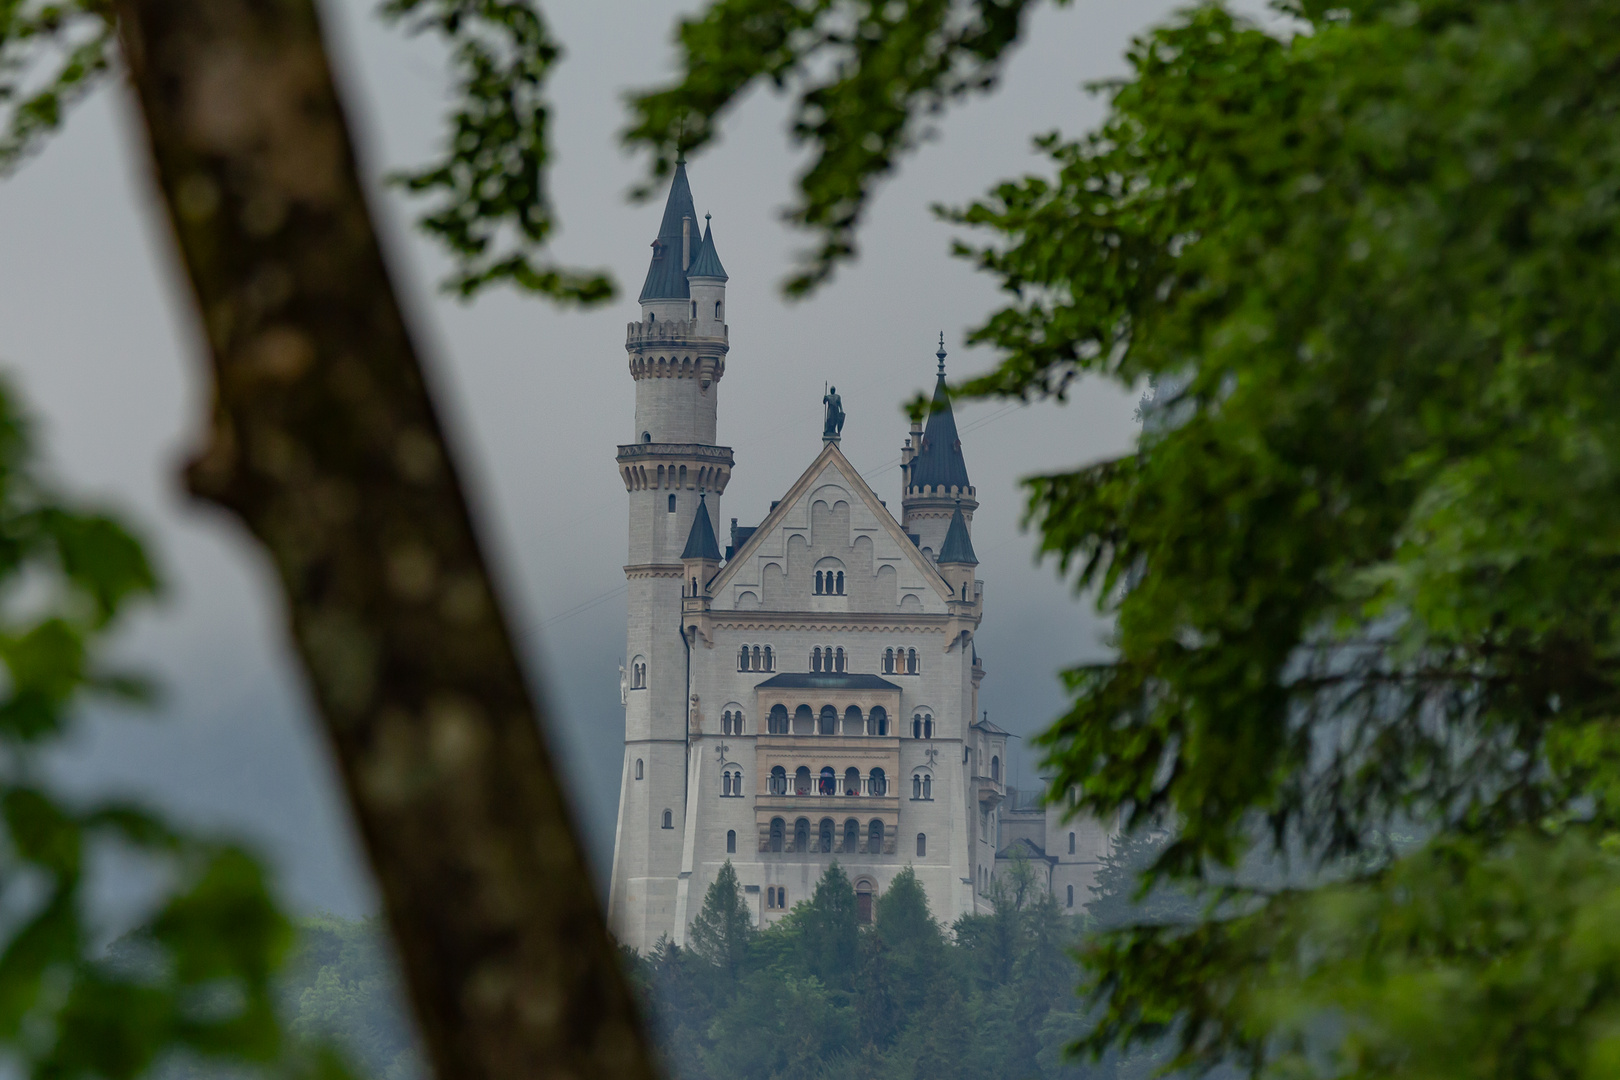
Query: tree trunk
x=325, y=443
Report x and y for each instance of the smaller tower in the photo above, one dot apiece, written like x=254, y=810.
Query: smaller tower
x=956, y=560
x=700, y=560
x=937, y=485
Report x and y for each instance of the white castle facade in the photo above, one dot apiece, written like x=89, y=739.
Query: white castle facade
x=811, y=694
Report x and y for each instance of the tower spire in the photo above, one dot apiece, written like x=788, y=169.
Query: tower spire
x=941, y=353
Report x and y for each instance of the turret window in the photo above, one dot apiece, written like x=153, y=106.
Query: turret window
x=717, y=310
x=638, y=769
x=669, y=820
x=638, y=674
x=922, y=845
x=672, y=504
x=731, y=841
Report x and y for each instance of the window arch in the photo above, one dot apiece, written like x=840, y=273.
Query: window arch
x=874, y=837
x=759, y=661
x=841, y=583
x=1071, y=843
x=829, y=578
x=878, y=783
x=916, y=725
x=1071, y=896
x=778, y=781
x=928, y=726
x=888, y=661
x=779, y=720
x=916, y=785
x=638, y=673
x=922, y=845
x=770, y=660
x=646, y=436
x=826, y=836
x=829, y=721
x=742, y=659
x=877, y=721
x=804, y=721
x=801, y=780
x=828, y=781
x=717, y=310
x=638, y=768
x=852, y=720
x=672, y=503
x=815, y=659
x=911, y=661
x=669, y=820
x=928, y=787
x=995, y=769
x=852, y=836
x=731, y=841
x=778, y=832
x=863, y=902
x=801, y=835
x=725, y=783
x=819, y=588
x=852, y=782
x=839, y=661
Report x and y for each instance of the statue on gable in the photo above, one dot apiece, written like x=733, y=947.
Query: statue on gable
x=834, y=426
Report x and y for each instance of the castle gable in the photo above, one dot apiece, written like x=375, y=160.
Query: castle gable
x=830, y=545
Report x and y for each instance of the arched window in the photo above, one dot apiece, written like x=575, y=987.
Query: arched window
x=928, y=727
x=725, y=783
x=878, y=784
x=1071, y=896
x=995, y=769
x=840, y=583
x=779, y=720
x=717, y=311
x=801, y=780
x=669, y=820
x=828, y=784
x=852, y=783
x=801, y=835
x=852, y=721
x=928, y=786
x=916, y=785
x=672, y=504
x=819, y=589
x=804, y=721
x=911, y=661
x=770, y=661
x=742, y=659
x=638, y=768
x=778, y=831
x=877, y=721
x=863, y=902
x=815, y=659
x=646, y=436
x=922, y=845
x=1071, y=843
x=874, y=838
x=826, y=836
x=756, y=659
x=779, y=781
x=888, y=661
x=731, y=841
x=694, y=586
x=852, y=836
x=840, y=661
x=736, y=783
x=829, y=720
x=916, y=725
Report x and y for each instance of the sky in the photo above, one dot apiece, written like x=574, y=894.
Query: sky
x=98, y=338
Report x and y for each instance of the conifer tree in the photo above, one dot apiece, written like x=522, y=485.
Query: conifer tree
x=722, y=930
x=829, y=926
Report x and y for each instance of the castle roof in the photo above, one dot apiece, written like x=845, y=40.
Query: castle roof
x=958, y=546
x=1028, y=849
x=939, y=463
x=666, y=277
x=706, y=263
x=700, y=542
x=810, y=680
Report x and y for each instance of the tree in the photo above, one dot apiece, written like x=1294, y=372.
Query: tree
x=829, y=930
x=721, y=931
x=1359, y=564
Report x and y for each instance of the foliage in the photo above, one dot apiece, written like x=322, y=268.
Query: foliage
x=209, y=950
x=867, y=75
x=71, y=40
x=721, y=931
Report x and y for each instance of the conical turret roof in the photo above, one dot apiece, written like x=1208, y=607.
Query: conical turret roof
x=706, y=263
x=700, y=542
x=666, y=277
x=958, y=545
x=940, y=463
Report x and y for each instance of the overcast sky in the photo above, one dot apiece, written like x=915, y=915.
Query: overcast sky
x=100, y=340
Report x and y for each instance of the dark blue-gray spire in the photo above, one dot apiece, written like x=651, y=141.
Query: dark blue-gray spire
x=706, y=263
x=666, y=277
x=700, y=542
x=958, y=545
x=939, y=463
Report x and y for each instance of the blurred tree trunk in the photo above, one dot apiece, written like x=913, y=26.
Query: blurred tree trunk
x=325, y=443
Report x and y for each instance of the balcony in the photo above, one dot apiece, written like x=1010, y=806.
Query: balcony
x=990, y=792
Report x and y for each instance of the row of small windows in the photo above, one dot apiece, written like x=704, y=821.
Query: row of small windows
x=829, y=782
x=829, y=583
x=899, y=661
x=731, y=784
x=756, y=658
x=828, y=659
x=807, y=722
x=827, y=839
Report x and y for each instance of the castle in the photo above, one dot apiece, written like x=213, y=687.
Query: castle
x=811, y=694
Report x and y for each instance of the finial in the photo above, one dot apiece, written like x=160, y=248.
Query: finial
x=706, y=218
x=941, y=353
x=680, y=155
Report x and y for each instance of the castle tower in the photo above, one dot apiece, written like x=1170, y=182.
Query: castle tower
x=936, y=485
x=671, y=470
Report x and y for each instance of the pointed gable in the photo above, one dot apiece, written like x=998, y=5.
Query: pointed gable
x=771, y=565
x=701, y=542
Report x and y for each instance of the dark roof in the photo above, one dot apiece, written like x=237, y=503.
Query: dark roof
x=939, y=463
x=814, y=681
x=700, y=542
x=666, y=277
x=958, y=546
x=986, y=726
x=706, y=263
x=1028, y=848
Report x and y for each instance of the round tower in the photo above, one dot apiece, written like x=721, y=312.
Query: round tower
x=672, y=470
x=936, y=478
